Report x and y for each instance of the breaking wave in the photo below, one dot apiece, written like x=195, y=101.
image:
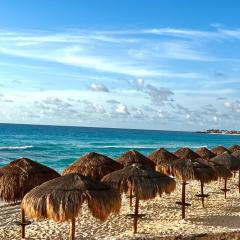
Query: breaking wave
x=15, y=147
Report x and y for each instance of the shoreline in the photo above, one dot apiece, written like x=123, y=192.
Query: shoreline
x=231, y=134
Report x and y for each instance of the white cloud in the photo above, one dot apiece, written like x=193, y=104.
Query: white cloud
x=158, y=95
x=121, y=109
x=233, y=105
x=98, y=87
x=4, y=99
x=91, y=107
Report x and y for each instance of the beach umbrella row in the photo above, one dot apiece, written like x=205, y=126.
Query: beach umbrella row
x=141, y=179
x=194, y=166
x=184, y=165
x=61, y=198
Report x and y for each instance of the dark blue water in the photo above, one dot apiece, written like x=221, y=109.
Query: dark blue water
x=59, y=146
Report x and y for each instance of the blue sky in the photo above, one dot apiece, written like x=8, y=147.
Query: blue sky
x=130, y=64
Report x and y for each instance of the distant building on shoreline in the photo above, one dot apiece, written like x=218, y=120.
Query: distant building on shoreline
x=219, y=131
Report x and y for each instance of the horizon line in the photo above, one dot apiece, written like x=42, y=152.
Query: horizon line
x=75, y=126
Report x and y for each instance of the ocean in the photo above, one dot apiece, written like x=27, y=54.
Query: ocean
x=58, y=146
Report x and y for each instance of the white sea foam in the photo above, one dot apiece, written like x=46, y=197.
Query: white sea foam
x=15, y=147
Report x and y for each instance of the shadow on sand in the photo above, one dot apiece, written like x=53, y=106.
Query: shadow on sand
x=218, y=221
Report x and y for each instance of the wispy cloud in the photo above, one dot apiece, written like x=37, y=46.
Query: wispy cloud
x=178, y=72
x=91, y=52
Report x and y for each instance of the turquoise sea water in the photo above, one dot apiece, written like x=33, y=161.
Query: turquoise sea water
x=57, y=146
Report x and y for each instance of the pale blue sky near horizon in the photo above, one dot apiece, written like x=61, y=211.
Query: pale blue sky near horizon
x=171, y=65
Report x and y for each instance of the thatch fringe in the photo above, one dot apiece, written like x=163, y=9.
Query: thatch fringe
x=204, y=171
x=186, y=170
x=94, y=165
x=183, y=170
x=228, y=160
x=163, y=160
x=20, y=176
x=143, y=181
x=222, y=171
x=61, y=199
x=164, y=168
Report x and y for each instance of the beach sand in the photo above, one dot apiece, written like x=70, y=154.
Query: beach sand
x=163, y=217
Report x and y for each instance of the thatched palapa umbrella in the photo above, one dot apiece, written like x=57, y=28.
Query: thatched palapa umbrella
x=94, y=165
x=19, y=177
x=229, y=162
x=205, y=153
x=130, y=157
x=144, y=182
x=61, y=199
x=186, y=153
x=222, y=171
x=234, y=148
x=163, y=160
x=186, y=170
x=236, y=154
x=220, y=150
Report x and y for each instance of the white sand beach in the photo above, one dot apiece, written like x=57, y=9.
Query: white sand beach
x=163, y=217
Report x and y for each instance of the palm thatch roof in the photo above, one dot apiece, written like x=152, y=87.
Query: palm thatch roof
x=221, y=171
x=228, y=160
x=186, y=153
x=234, y=148
x=186, y=169
x=94, y=165
x=20, y=176
x=219, y=150
x=163, y=160
x=236, y=154
x=61, y=199
x=205, y=153
x=132, y=156
x=143, y=181
x=161, y=155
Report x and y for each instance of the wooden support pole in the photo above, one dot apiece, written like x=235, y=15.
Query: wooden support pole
x=130, y=195
x=225, y=188
x=72, y=230
x=22, y=223
x=136, y=214
x=183, y=199
x=239, y=181
x=202, y=185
